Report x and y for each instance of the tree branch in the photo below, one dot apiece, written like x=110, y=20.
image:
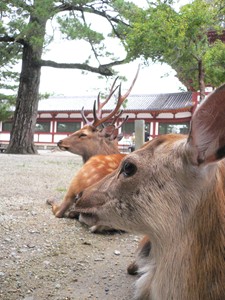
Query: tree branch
x=91, y=9
x=89, y=40
x=102, y=69
x=8, y=39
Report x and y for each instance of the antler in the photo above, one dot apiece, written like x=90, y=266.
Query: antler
x=121, y=98
x=116, y=118
x=111, y=131
x=101, y=104
x=97, y=114
x=85, y=120
x=124, y=120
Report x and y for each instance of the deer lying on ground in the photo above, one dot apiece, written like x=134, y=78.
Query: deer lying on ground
x=96, y=137
x=91, y=139
x=173, y=191
x=87, y=142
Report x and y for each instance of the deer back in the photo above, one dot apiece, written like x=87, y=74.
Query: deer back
x=173, y=190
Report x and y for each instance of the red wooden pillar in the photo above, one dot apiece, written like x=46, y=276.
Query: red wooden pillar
x=154, y=134
x=53, y=127
x=195, y=101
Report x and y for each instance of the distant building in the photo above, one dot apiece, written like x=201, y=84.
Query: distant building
x=60, y=116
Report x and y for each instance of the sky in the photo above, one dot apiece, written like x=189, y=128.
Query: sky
x=154, y=78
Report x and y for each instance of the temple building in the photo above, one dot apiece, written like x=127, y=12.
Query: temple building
x=60, y=116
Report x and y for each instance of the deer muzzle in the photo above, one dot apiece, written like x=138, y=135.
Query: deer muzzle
x=61, y=147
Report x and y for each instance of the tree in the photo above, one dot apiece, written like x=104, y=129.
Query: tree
x=181, y=40
x=23, y=30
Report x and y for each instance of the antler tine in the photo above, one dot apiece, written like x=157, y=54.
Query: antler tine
x=85, y=120
x=101, y=104
x=120, y=101
x=99, y=110
x=116, y=117
x=111, y=92
x=96, y=122
x=117, y=127
x=122, y=98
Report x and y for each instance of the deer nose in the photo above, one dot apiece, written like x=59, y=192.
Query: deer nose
x=59, y=143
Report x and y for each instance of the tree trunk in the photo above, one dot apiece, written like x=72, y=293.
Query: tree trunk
x=201, y=80
x=25, y=116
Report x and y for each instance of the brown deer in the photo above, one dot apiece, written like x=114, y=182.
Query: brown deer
x=173, y=191
x=87, y=142
x=92, y=139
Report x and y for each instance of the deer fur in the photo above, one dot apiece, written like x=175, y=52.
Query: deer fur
x=141, y=255
x=91, y=172
x=173, y=191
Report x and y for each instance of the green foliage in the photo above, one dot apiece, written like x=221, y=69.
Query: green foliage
x=6, y=106
x=179, y=39
x=8, y=80
x=73, y=29
x=214, y=61
x=24, y=22
x=161, y=33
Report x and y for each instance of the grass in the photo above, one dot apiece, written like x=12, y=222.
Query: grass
x=61, y=189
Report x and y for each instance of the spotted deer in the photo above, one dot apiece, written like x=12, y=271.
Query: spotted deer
x=88, y=142
x=173, y=191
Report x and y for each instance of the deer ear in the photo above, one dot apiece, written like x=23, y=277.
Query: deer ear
x=108, y=132
x=207, y=134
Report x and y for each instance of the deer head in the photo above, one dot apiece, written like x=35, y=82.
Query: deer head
x=95, y=137
x=173, y=190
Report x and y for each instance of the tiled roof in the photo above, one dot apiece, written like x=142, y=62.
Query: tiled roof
x=154, y=102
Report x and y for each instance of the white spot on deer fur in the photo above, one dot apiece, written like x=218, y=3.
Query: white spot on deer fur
x=85, y=175
x=100, y=166
x=112, y=165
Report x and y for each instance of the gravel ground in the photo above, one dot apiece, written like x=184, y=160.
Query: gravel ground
x=42, y=257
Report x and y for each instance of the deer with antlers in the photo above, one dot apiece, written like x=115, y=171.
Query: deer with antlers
x=93, y=144
x=96, y=137
x=173, y=191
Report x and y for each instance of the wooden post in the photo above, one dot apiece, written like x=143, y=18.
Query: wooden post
x=139, y=126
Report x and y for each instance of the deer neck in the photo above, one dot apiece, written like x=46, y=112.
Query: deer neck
x=192, y=264
x=108, y=147
x=103, y=146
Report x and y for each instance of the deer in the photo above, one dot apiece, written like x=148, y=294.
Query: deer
x=98, y=149
x=172, y=190
x=95, y=137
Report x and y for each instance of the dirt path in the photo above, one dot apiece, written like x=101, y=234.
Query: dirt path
x=42, y=257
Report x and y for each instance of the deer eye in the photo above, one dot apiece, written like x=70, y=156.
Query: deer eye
x=128, y=169
x=82, y=135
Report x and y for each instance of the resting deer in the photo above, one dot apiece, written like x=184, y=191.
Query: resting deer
x=89, y=141
x=92, y=140
x=173, y=191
